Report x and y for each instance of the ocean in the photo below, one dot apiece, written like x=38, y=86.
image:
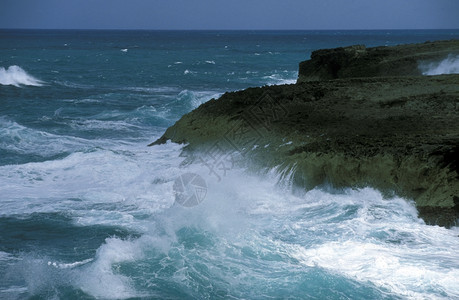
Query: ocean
x=88, y=211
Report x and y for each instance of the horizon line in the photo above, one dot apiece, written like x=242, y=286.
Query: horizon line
x=150, y=29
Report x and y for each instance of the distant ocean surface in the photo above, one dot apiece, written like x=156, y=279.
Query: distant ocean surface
x=88, y=211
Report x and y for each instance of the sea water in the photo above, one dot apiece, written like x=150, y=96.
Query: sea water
x=88, y=211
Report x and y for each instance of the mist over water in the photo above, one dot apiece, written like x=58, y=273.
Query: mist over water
x=87, y=211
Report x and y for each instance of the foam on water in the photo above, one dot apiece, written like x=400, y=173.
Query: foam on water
x=99, y=279
x=162, y=89
x=84, y=125
x=4, y=256
x=18, y=138
x=74, y=85
x=391, y=268
x=15, y=75
x=235, y=240
x=284, y=77
x=70, y=265
x=121, y=175
x=357, y=234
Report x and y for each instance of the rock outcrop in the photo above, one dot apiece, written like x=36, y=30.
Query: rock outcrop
x=397, y=134
x=359, y=61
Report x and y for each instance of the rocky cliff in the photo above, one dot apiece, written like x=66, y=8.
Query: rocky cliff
x=359, y=61
x=397, y=134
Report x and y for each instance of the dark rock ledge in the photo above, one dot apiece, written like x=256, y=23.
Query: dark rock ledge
x=357, y=117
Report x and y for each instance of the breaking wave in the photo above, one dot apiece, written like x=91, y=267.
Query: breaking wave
x=15, y=75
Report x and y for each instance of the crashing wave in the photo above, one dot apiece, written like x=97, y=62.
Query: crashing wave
x=15, y=75
x=449, y=65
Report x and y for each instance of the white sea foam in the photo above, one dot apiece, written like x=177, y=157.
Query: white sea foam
x=281, y=78
x=355, y=233
x=15, y=75
x=88, y=125
x=94, y=276
x=382, y=243
x=75, y=85
x=100, y=280
x=86, y=100
x=4, y=256
x=69, y=265
x=104, y=187
x=153, y=90
x=409, y=272
x=118, y=177
x=18, y=138
x=187, y=72
x=449, y=65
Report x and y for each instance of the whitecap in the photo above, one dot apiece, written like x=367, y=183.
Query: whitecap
x=69, y=265
x=284, y=78
x=85, y=100
x=16, y=76
x=161, y=89
x=4, y=256
x=186, y=72
x=195, y=98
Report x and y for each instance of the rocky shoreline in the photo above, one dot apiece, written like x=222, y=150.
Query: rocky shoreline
x=394, y=130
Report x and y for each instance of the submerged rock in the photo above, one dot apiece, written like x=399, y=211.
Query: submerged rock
x=397, y=134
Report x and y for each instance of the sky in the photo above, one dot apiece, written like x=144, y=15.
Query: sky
x=230, y=14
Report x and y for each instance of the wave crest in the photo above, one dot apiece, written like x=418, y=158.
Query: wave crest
x=15, y=75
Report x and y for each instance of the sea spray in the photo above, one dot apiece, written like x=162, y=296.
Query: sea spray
x=449, y=65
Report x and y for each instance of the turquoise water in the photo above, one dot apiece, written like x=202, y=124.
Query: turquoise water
x=87, y=211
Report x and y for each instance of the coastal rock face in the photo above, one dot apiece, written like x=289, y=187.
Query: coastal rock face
x=359, y=61
x=397, y=134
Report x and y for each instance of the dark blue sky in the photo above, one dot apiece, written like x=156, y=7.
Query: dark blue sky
x=230, y=14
